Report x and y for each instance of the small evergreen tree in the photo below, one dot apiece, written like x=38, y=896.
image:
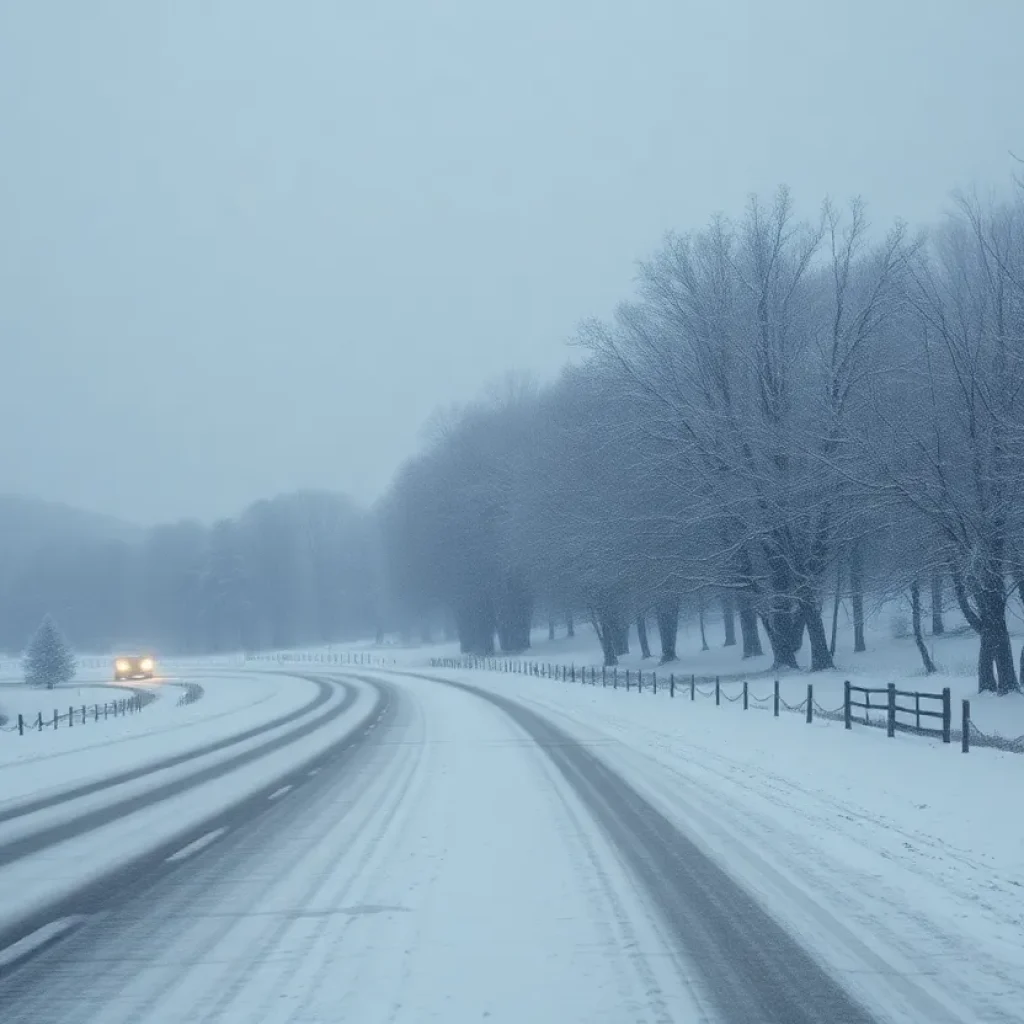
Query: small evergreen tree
x=48, y=660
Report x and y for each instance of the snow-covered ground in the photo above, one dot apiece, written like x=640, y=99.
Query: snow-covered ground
x=891, y=657
x=40, y=763
x=897, y=862
x=38, y=880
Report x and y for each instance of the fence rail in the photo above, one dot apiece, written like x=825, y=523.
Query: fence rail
x=80, y=715
x=896, y=708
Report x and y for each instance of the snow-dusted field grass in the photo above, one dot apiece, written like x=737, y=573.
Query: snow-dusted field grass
x=896, y=861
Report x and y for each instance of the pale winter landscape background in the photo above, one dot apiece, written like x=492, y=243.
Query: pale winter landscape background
x=505, y=445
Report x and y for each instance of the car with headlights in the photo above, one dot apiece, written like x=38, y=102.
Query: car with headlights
x=133, y=666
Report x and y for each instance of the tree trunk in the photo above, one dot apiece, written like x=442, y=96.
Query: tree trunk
x=810, y=612
x=749, y=632
x=915, y=617
x=641, y=635
x=604, y=626
x=836, y=601
x=570, y=625
x=729, y=617
x=745, y=599
x=937, y=624
x=514, y=613
x=667, y=615
x=857, y=596
x=785, y=623
x=996, y=670
x=551, y=628
x=703, y=634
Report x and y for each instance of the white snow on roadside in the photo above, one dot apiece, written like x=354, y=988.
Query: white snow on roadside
x=894, y=860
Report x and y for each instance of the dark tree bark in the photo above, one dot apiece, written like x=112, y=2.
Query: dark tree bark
x=729, y=618
x=987, y=617
x=551, y=628
x=915, y=617
x=703, y=634
x=938, y=627
x=570, y=624
x=857, y=596
x=810, y=612
x=514, y=613
x=836, y=601
x=785, y=622
x=608, y=625
x=745, y=598
x=641, y=635
x=667, y=614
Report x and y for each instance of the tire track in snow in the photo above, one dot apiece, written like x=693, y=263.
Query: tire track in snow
x=751, y=968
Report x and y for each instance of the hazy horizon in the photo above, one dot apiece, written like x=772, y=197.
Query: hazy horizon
x=248, y=247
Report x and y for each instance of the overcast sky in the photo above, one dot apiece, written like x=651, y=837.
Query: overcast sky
x=247, y=245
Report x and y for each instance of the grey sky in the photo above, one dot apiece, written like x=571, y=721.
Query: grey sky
x=248, y=245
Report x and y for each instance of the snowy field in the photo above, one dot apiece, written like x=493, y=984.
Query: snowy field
x=894, y=861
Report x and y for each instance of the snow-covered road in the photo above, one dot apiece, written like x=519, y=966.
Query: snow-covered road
x=468, y=860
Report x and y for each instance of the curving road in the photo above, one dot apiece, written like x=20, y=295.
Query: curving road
x=458, y=858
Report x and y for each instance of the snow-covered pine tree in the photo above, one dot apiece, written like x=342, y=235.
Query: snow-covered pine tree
x=48, y=660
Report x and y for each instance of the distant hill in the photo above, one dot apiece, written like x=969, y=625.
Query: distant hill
x=27, y=524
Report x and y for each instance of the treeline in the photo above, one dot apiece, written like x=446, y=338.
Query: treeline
x=786, y=411
x=298, y=569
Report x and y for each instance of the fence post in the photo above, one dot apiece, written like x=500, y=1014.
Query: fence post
x=846, y=705
x=83, y=714
x=39, y=720
x=693, y=686
x=718, y=692
x=21, y=725
x=810, y=703
x=744, y=695
x=672, y=684
x=775, y=705
x=95, y=712
x=965, y=727
x=604, y=675
x=890, y=724
x=572, y=672
x=71, y=717
x=654, y=681
x=917, y=710
x=55, y=718
x=627, y=680
x=639, y=680
x=947, y=714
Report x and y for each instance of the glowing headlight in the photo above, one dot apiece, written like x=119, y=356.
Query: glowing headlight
x=146, y=664
x=122, y=665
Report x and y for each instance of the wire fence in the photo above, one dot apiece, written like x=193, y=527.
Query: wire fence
x=906, y=711
x=192, y=692
x=78, y=715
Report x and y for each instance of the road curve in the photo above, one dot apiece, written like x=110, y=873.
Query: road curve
x=753, y=970
x=439, y=868
x=323, y=694
x=120, y=882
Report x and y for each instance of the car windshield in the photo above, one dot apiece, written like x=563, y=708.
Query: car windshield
x=511, y=512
